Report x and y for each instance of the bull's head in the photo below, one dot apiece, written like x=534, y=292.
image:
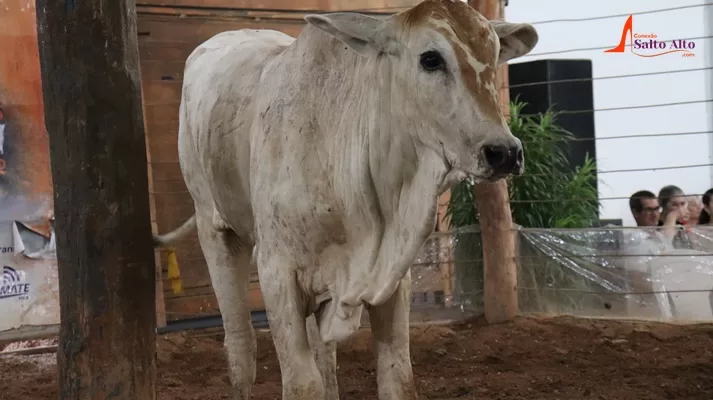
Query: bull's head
x=442, y=56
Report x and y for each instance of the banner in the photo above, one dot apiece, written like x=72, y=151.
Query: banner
x=29, y=290
x=25, y=177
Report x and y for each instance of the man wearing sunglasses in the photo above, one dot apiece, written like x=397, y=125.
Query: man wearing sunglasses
x=645, y=208
x=642, y=245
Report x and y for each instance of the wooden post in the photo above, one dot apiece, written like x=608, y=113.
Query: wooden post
x=500, y=283
x=91, y=84
x=446, y=268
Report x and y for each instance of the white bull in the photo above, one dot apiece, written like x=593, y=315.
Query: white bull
x=322, y=157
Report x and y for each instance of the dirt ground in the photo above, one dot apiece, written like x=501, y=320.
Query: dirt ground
x=530, y=358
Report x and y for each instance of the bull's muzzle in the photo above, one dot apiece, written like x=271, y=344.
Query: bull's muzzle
x=504, y=160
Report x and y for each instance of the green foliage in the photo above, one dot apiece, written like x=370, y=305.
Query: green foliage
x=547, y=177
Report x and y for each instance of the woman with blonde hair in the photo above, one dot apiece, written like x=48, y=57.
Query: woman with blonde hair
x=694, y=209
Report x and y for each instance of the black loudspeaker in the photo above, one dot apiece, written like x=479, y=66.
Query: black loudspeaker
x=535, y=83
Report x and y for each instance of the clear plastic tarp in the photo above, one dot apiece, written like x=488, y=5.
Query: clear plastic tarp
x=637, y=273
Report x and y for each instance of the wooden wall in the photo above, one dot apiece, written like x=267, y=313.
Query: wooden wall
x=169, y=30
x=165, y=41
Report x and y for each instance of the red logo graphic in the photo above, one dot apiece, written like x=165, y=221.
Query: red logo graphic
x=649, y=42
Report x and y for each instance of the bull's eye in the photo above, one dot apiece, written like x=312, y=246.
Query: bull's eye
x=432, y=61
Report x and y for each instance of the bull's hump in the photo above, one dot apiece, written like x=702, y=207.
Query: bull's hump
x=239, y=40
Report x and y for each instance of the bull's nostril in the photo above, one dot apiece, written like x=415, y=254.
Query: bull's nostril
x=495, y=155
x=504, y=159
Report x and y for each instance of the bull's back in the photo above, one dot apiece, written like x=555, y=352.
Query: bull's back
x=221, y=83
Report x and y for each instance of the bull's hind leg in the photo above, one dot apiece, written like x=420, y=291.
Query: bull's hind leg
x=286, y=307
x=390, y=329
x=229, y=267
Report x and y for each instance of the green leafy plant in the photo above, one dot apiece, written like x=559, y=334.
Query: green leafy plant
x=549, y=194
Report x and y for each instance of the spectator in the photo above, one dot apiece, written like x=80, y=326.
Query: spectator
x=638, y=248
x=707, y=209
x=674, y=212
x=673, y=204
x=649, y=240
x=694, y=209
x=645, y=208
x=656, y=235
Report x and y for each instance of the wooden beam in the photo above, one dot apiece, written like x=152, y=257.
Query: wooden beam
x=35, y=332
x=492, y=199
x=91, y=88
x=29, y=352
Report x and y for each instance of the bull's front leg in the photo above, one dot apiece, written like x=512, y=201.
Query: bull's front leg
x=286, y=307
x=390, y=329
x=326, y=357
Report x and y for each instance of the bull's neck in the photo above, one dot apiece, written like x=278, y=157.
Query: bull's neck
x=339, y=78
x=362, y=118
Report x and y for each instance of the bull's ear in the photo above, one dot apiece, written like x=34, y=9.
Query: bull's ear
x=364, y=34
x=516, y=39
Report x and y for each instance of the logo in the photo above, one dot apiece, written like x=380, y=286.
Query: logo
x=13, y=285
x=648, y=44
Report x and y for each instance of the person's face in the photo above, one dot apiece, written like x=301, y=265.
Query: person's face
x=649, y=214
x=709, y=208
x=694, y=208
x=675, y=203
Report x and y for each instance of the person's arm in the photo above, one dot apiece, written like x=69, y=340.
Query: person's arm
x=669, y=224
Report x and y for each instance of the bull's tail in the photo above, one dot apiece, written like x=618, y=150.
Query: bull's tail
x=171, y=237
